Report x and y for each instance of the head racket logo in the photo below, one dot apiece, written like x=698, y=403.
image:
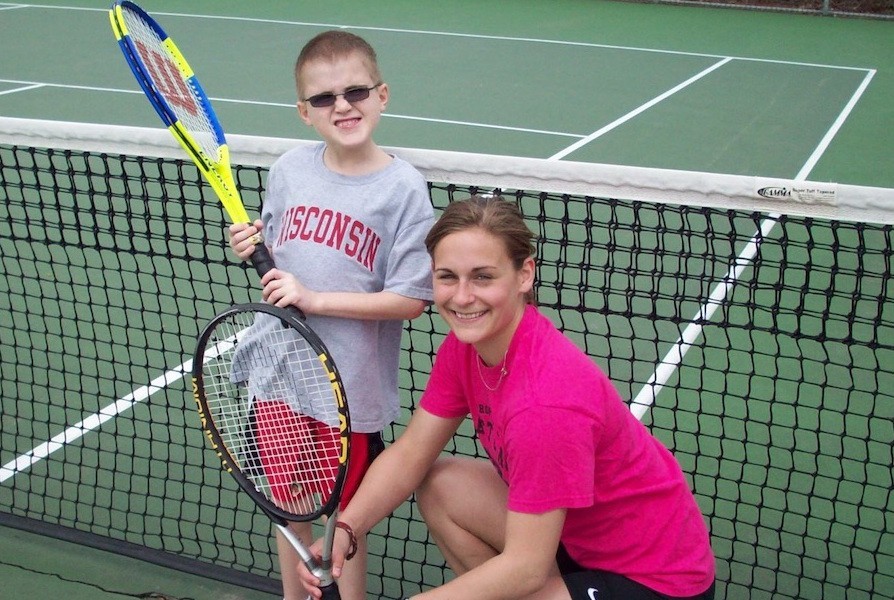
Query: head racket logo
x=168, y=79
x=224, y=459
x=340, y=400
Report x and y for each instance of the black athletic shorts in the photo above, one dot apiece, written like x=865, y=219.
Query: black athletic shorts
x=588, y=584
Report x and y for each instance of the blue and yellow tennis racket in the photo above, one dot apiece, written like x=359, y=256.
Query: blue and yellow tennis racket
x=177, y=96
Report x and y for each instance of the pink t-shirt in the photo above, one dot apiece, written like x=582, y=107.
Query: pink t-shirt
x=560, y=436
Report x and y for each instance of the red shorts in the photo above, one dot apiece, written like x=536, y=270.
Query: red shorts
x=365, y=447
x=301, y=475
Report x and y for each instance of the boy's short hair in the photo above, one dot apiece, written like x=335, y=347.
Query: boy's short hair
x=334, y=44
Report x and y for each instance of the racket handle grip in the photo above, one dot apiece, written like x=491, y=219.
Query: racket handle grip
x=330, y=592
x=262, y=260
x=263, y=263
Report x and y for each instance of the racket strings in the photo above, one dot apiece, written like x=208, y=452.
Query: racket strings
x=298, y=456
x=272, y=401
x=177, y=88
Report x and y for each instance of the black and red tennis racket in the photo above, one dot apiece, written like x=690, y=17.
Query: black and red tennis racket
x=273, y=406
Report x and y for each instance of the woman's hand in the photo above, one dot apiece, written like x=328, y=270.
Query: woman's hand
x=341, y=545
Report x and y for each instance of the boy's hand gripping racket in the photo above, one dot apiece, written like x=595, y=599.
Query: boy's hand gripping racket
x=273, y=406
x=177, y=96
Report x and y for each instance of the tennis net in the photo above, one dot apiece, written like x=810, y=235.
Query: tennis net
x=749, y=322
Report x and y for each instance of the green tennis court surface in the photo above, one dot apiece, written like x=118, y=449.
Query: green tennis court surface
x=780, y=409
x=532, y=81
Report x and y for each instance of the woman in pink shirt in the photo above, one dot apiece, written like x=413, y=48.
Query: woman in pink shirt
x=578, y=499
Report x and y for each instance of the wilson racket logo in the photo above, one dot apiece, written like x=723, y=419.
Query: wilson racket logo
x=168, y=79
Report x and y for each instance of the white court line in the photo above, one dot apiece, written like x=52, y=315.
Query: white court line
x=69, y=86
x=639, y=110
x=674, y=358
x=833, y=130
x=449, y=34
x=28, y=85
x=485, y=125
x=94, y=421
x=24, y=88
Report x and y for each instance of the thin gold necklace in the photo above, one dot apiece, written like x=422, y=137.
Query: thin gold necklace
x=503, y=373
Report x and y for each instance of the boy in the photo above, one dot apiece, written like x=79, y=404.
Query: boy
x=346, y=223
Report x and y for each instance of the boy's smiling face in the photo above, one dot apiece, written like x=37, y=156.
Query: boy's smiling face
x=344, y=126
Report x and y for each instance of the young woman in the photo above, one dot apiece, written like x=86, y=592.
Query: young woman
x=578, y=500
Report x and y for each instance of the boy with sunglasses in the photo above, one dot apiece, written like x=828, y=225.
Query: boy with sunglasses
x=346, y=223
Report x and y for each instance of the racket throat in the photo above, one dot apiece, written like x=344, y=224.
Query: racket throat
x=321, y=571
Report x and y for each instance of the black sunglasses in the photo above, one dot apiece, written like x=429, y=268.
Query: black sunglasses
x=353, y=95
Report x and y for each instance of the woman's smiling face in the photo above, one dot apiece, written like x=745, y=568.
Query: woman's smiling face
x=478, y=291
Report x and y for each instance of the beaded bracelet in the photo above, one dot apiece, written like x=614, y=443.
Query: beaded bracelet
x=352, y=548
